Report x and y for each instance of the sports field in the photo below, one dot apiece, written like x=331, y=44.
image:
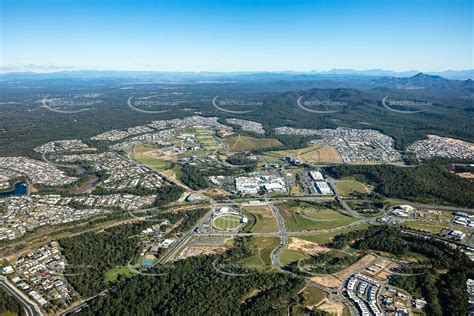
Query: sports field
x=242, y=143
x=226, y=222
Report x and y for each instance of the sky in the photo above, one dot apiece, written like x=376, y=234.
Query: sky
x=205, y=35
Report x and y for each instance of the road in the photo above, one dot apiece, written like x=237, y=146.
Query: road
x=30, y=307
x=82, y=304
x=275, y=256
x=177, y=245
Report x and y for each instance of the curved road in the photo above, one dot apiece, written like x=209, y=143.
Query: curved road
x=30, y=307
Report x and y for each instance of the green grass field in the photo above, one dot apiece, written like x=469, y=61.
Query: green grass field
x=262, y=248
x=432, y=227
x=264, y=220
x=226, y=222
x=312, y=219
x=288, y=256
x=138, y=156
x=112, y=274
x=348, y=186
x=241, y=143
x=313, y=296
x=324, y=238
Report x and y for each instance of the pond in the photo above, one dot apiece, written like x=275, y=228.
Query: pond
x=19, y=190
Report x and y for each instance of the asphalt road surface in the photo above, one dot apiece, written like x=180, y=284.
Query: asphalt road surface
x=30, y=307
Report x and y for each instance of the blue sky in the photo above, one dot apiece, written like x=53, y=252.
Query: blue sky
x=231, y=35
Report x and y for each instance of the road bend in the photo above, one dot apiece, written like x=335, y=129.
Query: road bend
x=31, y=307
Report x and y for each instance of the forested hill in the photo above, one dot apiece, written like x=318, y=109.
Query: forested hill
x=447, y=107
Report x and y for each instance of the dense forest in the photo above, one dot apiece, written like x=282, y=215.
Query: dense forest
x=9, y=305
x=441, y=278
x=195, y=287
x=94, y=254
x=449, y=115
x=324, y=263
x=194, y=178
x=431, y=183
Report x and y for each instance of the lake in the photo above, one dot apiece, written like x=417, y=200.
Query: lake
x=20, y=189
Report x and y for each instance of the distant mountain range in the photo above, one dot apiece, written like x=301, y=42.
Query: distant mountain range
x=231, y=76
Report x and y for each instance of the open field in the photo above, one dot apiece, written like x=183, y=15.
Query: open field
x=312, y=296
x=262, y=248
x=312, y=154
x=144, y=153
x=226, y=222
x=112, y=274
x=247, y=143
x=433, y=227
x=307, y=247
x=324, y=238
x=198, y=250
x=348, y=186
x=264, y=220
x=331, y=307
x=310, y=218
x=288, y=256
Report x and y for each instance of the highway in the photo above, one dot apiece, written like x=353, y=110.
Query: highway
x=275, y=256
x=177, y=246
x=30, y=307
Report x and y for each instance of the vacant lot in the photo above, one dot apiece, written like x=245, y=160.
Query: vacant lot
x=262, y=248
x=335, y=280
x=348, y=186
x=288, y=256
x=309, y=218
x=312, y=154
x=246, y=143
x=432, y=227
x=145, y=154
x=111, y=275
x=324, y=238
x=264, y=220
x=305, y=246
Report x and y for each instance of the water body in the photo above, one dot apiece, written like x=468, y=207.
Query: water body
x=88, y=185
x=19, y=190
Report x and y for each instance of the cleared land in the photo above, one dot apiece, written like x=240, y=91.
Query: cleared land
x=194, y=250
x=305, y=246
x=312, y=154
x=324, y=238
x=247, y=143
x=264, y=220
x=262, y=248
x=147, y=155
x=311, y=219
x=112, y=274
x=433, y=227
x=348, y=186
x=288, y=256
x=335, y=280
x=312, y=296
x=331, y=307
x=226, y=222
